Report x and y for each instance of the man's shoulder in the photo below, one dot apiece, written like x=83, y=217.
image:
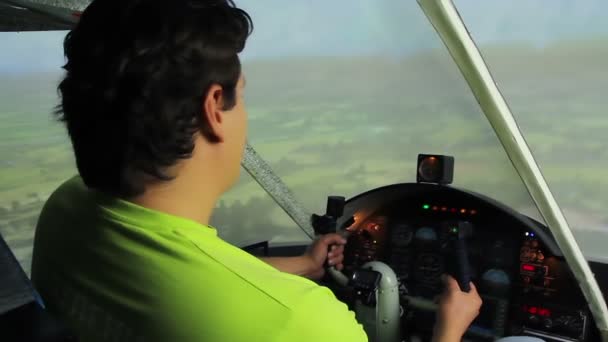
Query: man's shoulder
x=74, y=184
x=69, y=194
x=70, y=188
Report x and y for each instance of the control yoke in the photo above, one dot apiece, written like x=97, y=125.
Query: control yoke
x=459, y=267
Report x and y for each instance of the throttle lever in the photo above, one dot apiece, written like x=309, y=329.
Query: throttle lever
x=461, y=267
x=327, y=224
x=335, y=206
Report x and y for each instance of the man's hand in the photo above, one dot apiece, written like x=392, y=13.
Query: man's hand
x=320, y=251
x=312, y=263
x=457, y=310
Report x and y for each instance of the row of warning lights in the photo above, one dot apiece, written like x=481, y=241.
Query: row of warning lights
x=452, y=210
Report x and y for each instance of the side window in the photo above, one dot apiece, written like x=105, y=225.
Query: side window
x=35, y=153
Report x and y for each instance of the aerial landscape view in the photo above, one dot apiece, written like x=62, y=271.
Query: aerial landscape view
x=346, y=122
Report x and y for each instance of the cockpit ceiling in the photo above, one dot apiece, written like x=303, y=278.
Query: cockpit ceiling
x=38, y=15
x=78, y=5
x=18, y=19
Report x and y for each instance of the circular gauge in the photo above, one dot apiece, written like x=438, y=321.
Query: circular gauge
x=429, y=169
x=426, y=234
x=496, y=276
x=496, y=281
x=428, y=268
x=401, y=234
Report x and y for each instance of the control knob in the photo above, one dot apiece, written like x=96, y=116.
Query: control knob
x=548, y=323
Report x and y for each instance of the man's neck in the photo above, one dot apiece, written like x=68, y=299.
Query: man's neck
x=188, y=198
x=199, y=182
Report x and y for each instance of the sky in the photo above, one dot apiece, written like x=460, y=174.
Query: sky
x=358, y=27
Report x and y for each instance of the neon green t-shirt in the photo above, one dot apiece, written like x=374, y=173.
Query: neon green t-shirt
x=115, y=271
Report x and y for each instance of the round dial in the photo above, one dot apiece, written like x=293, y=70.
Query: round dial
x=401, y=234
x=426, y=234
x=496, y=277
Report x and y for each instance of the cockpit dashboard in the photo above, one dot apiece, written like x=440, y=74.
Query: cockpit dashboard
x=525, y=283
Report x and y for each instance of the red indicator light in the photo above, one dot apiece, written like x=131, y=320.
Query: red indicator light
x=463, y=211
x=534, y=310
x=473, y=212
x=444, y=209
x=529, y=268
x=435, y=208
x=453, y=210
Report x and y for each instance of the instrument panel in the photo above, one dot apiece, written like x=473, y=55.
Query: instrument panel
x=526, y=285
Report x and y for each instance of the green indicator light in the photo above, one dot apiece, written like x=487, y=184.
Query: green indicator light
x=426, y=207
x=454, y=230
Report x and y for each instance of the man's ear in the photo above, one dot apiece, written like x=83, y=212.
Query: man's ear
x=213, y=104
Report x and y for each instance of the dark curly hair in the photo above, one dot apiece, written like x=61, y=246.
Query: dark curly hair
x=137, y=72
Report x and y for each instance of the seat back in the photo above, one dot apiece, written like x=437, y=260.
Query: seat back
x=22, y=314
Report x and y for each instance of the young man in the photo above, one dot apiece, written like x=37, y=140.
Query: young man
x=153, y=103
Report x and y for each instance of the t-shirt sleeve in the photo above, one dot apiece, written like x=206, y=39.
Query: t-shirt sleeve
x=318, y=316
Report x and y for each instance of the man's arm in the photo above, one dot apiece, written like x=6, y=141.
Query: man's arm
x=311, y=264
x=298, y=265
